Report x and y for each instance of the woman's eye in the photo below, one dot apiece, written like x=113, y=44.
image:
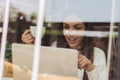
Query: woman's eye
x=78, y=27
x=65, y=26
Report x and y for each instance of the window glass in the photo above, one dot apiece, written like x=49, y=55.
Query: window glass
x=22, y=16
x=100, y=20
x=2, y=9
x=78, y=39
x=89, y=11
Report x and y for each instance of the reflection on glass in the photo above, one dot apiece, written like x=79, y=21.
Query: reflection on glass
x=73, y=26
x=2, y=9
x=23, y=14
x=2, y=14
x=89, y=11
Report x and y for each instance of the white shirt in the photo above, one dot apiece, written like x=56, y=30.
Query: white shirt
x=100, y=71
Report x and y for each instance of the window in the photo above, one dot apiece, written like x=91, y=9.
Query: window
x=88, y=30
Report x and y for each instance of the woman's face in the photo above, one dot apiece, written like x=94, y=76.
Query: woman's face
x=70, y=31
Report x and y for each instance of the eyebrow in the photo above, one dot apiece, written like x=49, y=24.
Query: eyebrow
x=77, y=24
x=73, y=25
x=65, y=24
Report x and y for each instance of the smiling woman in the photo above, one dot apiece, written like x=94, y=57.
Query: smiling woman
x=71, y=26
x=69, y=29
x=91, y=60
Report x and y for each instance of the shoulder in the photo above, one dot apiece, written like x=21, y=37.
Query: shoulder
x=98, y=54
x=98, y=51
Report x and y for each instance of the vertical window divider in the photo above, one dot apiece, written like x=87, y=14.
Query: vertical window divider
x=4, y=37
x=110, y=36
x=36, y=57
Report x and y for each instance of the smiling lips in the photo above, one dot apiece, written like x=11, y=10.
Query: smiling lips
x=72, y=40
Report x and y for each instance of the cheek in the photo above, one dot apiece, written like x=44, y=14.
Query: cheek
x=80, y=39
x=64, y=33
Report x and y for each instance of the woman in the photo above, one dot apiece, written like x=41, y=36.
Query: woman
x=91, y=60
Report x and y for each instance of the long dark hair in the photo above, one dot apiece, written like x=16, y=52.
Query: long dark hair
x=87, y=43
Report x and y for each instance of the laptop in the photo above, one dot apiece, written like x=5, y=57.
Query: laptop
x=56, y=61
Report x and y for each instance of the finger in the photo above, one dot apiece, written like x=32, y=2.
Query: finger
x=26, y=32
x=81, y=58
x=80, y=55
x=28, y=36
x=82, y=63
x=30, y=41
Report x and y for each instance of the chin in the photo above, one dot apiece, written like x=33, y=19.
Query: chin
x=72, y=46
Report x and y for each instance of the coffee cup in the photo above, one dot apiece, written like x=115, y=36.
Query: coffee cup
x=33, y=30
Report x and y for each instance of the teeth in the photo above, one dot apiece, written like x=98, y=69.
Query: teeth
x=72, y=39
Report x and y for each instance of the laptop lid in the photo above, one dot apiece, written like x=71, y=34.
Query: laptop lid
x=58, y=61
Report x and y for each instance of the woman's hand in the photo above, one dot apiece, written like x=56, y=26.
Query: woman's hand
x=27, y=37
x=85, y=63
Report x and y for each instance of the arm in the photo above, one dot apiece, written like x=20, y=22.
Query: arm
x=100, y=71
